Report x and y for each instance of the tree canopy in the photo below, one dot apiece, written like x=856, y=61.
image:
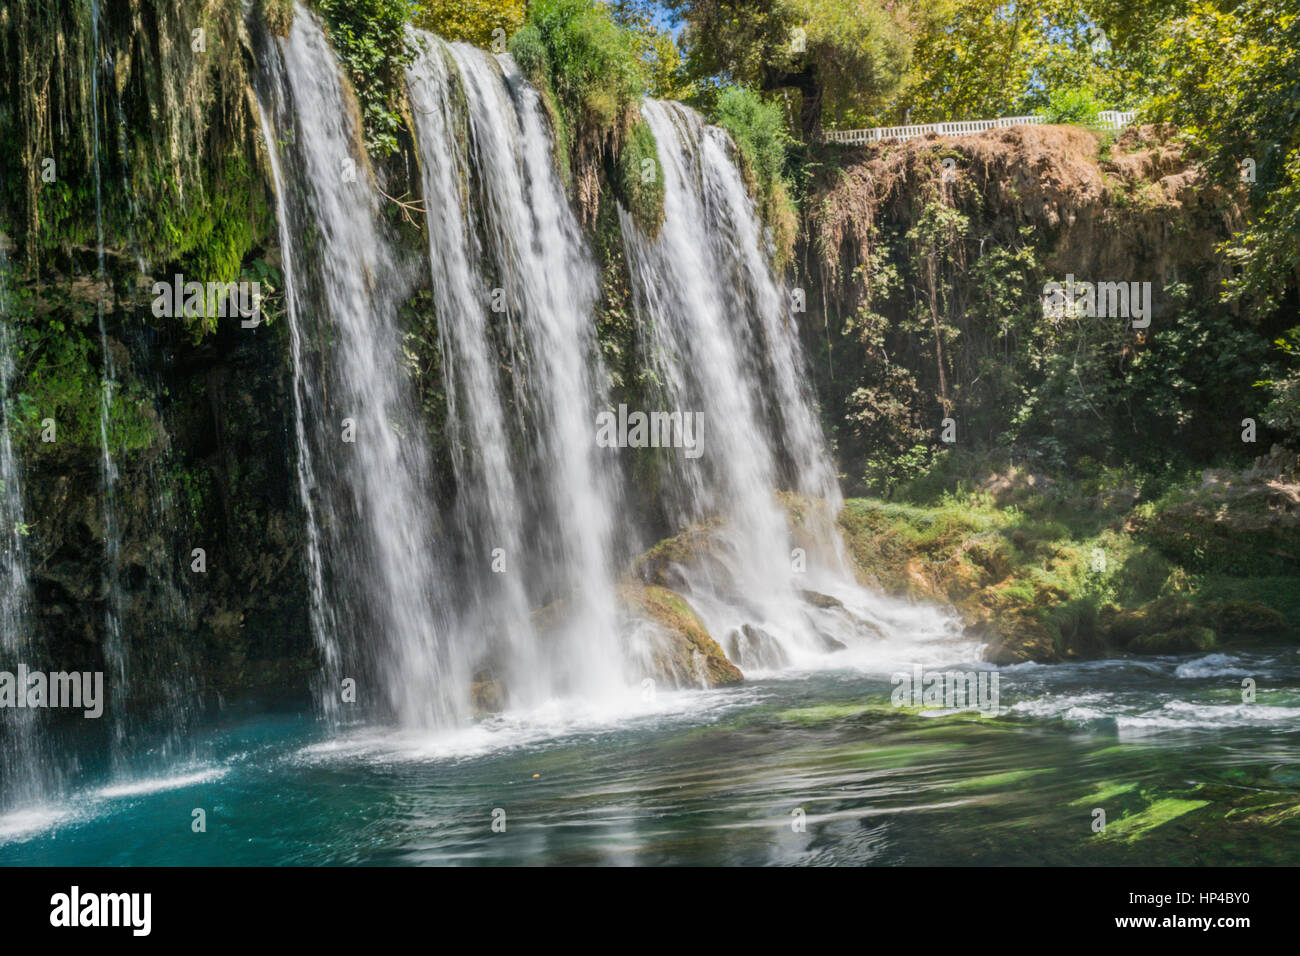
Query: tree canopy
x=838, y=54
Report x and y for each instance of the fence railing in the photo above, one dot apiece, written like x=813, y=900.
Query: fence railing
x=1109, y=119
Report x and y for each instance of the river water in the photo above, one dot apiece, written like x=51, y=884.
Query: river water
x=1185, y=772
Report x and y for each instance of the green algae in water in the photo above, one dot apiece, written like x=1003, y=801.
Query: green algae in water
x=825, y=712
x=1137, y=825
x=881, y=757
x=1104, y=793
x=993, y=781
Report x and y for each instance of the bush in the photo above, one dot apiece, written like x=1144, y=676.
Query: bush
x=640, y=182
x=758, y=129
x=471, y=21
x=370, y=38
x=593, y=67
x=586, y=67
x=529, y=50
x=1073, y=107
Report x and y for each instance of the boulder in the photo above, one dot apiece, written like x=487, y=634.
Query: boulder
x=752, y=647
x=682, y=652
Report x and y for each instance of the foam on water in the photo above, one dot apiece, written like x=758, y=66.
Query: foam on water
x=549, y=724
x=28, y=822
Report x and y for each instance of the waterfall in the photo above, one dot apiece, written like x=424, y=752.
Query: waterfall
x=20, y=770
x=378, y=601
x=531, y=487
x=517, y=587
x=114, y=651
x=721, y=339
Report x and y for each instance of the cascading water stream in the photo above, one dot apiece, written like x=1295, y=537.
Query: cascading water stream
x=722, y=343
x=20, y=769
x=487, y=508
x=379, y=610
x=533, y=602
x=114, y=652
x=489, y=160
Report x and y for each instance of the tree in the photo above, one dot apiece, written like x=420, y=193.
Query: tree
x=978, y=59
x=1233, y=87
x=473, y=21
x=665, y=70
x=838, y=54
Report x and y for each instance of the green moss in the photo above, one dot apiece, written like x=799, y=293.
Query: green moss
x=60, y=379
x=639, y=184
x=829, y=712
x=1269, y=814
x=691, y=644
x=1180, y=640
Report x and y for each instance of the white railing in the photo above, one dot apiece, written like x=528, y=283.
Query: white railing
x=1108, y=119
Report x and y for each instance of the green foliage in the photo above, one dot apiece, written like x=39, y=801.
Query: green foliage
x=369, y=37
x=1283, y=410
x=978, y=59
x=665, y=70
x=1230, y=71
x=591, y=80
x=843, y=55
x=481, y=22
x=529, y=50
x=1077, y=562
x=1077, y=107
x=948, y=322
x=593, y=68
x=758, y=129
x=640, y=181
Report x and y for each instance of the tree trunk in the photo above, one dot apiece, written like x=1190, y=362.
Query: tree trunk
x=809, y=84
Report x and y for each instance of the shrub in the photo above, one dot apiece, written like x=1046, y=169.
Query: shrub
x=591, y=80
x=1073, y=107
x=370, y=38
x=471, y=21
x=758, y=129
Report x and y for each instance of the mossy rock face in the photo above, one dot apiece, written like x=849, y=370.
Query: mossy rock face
x=817, y=599
x=696, y=547
x=1180, y=640
x=1156, y=617
x=1014, y=639
x=1248, y=618
x=682, y=652
x=1245, y=523
x=753, y=647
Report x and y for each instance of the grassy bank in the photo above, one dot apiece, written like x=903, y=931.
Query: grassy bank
x=1047, y=571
